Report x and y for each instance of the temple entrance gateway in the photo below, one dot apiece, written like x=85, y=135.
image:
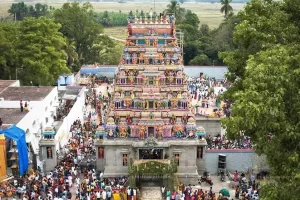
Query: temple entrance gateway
x=151, y=153
x=151, y=180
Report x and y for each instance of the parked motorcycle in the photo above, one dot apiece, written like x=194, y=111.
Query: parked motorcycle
x=222, y=174
x=205, y=178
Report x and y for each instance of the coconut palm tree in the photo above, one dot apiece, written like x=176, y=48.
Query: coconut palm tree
x=174, y=8
x=226, y=7
x=18, y=10
x=72, y=56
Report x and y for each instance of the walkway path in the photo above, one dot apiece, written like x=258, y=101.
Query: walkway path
x=151, y=193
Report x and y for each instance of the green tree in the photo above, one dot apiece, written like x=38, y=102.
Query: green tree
x=191, y=19
x=72, y=56
x=226, y=7
x=174, y=8
x=38, y=10
x=201, y=59
x=8, y=41
x=106, y=19
x=264, y=70
x=41, y=51
x=18, y=10
x=78, y=24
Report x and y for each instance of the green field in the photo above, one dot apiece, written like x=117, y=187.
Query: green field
x=208, y=13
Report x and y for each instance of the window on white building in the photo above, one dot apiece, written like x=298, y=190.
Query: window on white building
x=47, y=120
x=27, y=131
x=50, y=103
x=33, y=124
x=46, y=109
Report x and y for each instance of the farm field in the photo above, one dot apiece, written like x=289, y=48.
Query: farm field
x=208, y=13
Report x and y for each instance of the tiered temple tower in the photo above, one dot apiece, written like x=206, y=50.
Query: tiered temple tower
x=151, y=116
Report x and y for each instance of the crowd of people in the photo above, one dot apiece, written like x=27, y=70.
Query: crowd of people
x=75, y=172
x=202, y=91
x=245, y=189
x=218, y=142
x=187, y=192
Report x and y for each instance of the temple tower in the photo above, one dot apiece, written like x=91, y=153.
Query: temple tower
x=151, y=118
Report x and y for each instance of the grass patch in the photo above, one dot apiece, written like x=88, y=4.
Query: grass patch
x=117, y=32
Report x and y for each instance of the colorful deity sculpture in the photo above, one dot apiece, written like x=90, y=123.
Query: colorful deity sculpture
x=128, y=119
x=184, y=119
x=134, y=58
x=123, y=131
x=141, y=58
x=151, y=115
x=178, y=130
x=155, y=42
x=159, y=132
x=173, y=119
x=170, y=79
x=131, y=79
x=142, y=132
x=157, y=104
x=117, y=118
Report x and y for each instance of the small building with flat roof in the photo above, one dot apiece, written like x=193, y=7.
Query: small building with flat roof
x=44, y=104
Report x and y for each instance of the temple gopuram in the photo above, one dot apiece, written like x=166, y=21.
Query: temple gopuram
x=150, y=132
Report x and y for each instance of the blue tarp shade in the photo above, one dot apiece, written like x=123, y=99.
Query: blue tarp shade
x=18, y=135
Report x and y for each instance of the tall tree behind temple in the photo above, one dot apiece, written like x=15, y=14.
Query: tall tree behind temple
x=174, y=8
x=264, y=70
x=40, y=50
x=80, y=27
x=9, y=32
x=21, y=10
x=226, y=7
x=18, y=10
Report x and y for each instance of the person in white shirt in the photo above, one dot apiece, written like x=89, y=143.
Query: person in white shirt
x=70, y=180
x=98, y=195
x=163, y=188
x=104, y=194
x=134, y=193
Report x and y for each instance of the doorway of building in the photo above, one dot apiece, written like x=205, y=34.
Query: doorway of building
x=151, y=105
x=150, y=153
x=150, y=131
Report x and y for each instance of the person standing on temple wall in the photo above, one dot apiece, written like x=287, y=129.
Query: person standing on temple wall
x=26, y=107
x=21, y=106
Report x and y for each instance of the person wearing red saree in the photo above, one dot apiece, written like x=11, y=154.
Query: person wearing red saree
x=235, y=176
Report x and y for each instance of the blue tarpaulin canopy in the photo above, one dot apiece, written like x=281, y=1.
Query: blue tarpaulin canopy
x=18, y=135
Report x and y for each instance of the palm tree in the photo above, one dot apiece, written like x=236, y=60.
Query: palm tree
x=226, y=7
x=174, y=8
x=72, y=56
x=19, y=10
